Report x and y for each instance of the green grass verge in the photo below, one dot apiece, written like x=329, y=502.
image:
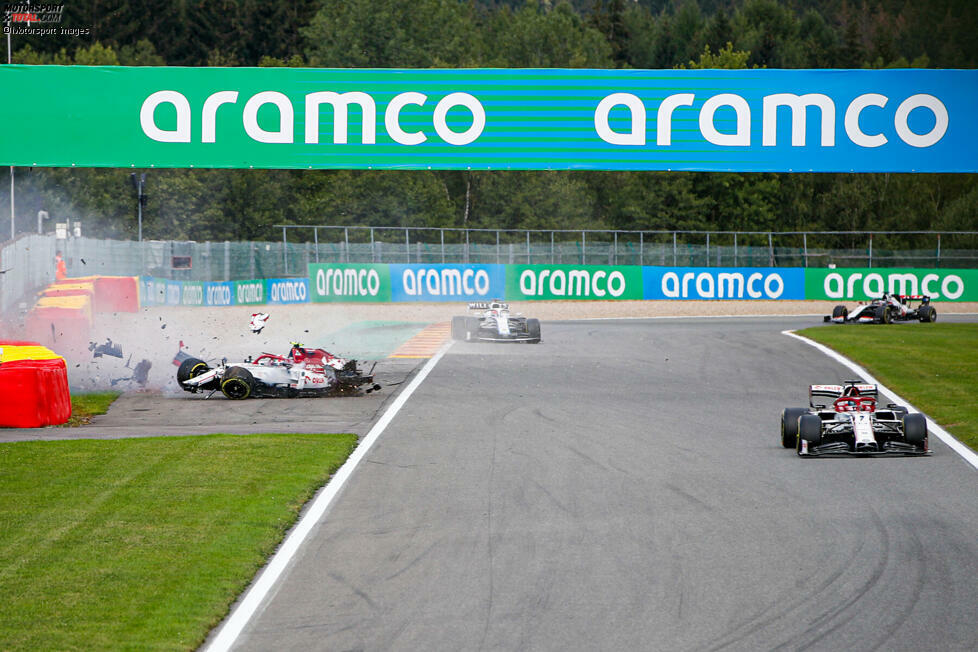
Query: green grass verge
x=934, y=366
x=144, y=543
x=86, y=405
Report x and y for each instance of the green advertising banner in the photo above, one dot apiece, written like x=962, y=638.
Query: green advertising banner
x=192, y=293
x=899, y=120
x=864, y=284
x=329, y=282
x=604, y=282
x=249, y=293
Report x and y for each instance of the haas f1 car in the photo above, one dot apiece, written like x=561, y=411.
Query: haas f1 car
x=495, y=324
x=887, y=309
x=851, y=424
x=303, y=372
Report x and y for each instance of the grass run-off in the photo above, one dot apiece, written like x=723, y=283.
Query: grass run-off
x=144, y=543
x=934, y=366
x=86, y=405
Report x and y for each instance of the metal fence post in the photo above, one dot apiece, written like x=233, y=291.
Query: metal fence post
x=870, y=250
x=315, y=238
x=466, y=246
x=707, y=248
x=497, y=247
x=583, y=248
x=528, y=247
x=616, y=249
x=551, y=247
x=938, y=264
x=407, y=246
x=442, y=231
x=735, y=249
x=641, y=248
x=770, y=249
x=804, y=239
x=346, y=243
x=674, y=259
x=227, y=260
x=285, y=251
x=373, y=248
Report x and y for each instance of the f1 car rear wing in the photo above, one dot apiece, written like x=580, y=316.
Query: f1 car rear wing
x=850, y=388
x=489, y=305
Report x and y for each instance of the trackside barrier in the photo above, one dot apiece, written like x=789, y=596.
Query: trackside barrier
x=397, y=283
x=33, y=386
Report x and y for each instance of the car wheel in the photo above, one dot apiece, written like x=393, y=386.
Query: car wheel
x=471, y=328
x=458, y=328
x=840, y=311
x=810, y=429
x=899, y=411
x=238, y=383
x=914, y=429
x=533, y=329
x=789, y=426
x=883, y=315
x=191, y=368
x=928, y=314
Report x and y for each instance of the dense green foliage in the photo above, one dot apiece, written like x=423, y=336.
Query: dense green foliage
x=218, y=204
x=934, y=366
x=143, y=544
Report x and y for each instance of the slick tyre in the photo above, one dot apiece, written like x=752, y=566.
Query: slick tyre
x=471, y=329
x=915, y=429
x=533, y=329
x=458, y=328
x=928, y=314
x=883, y=315
x=789, y=426
x=810, y=429
x=191, y=368
x=840, y=311
x=238, y=383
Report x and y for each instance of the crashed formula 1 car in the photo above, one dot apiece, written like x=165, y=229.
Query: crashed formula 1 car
x=852, y=424
x=303, y=372
x=496, y=324
x=887, y=309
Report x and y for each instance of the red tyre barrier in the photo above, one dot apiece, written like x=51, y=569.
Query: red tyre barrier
x=33, y=386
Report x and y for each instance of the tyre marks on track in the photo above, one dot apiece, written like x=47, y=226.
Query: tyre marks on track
x=426, y=343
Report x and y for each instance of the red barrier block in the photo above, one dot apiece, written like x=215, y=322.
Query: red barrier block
x=33, y=392
x=116, y=294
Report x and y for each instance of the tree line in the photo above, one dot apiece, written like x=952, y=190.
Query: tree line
x=239, y=205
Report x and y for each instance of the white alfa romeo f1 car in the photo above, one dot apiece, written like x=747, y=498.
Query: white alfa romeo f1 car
x=303, y=372
x=495, y=324
x=852, y=424
x=887, y=309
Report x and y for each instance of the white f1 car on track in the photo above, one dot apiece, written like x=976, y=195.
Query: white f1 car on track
x=889, y=308
x=852, y=425
x=303, y=372
x=496, y=324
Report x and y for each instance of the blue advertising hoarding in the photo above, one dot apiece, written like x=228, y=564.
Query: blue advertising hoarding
x=709, y=283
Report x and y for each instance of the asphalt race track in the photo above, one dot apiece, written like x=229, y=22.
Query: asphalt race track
x=622, y=487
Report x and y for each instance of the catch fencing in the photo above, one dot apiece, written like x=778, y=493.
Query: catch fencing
x=27, y=263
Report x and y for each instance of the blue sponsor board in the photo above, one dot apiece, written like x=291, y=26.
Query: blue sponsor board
x=287, y=290
x=219, y=294
x=723, y=283
x=446, y=282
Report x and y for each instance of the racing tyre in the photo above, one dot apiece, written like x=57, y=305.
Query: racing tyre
x=458, y=328
x=915, y=429
x=471, y=329
x=810, y=429
x=899, y=411
x=191, y=368
x=789, y=426
x=883, y=315
x=928, y=314
x=238, y=383
x=533, y=328
x=840, y=311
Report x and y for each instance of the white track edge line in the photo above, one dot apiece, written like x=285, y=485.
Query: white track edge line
x=969, y=455
x=787, y=315
x=239, y=618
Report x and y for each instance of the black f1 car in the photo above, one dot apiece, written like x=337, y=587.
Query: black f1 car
x=303, y=372
x=495, y=324
x=852, y=424
x=887, y=309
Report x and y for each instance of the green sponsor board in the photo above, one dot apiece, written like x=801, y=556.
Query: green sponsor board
x=192, y=293
x=602, y=282
x=349, y=282
x=863, y=284
x=249, y=293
